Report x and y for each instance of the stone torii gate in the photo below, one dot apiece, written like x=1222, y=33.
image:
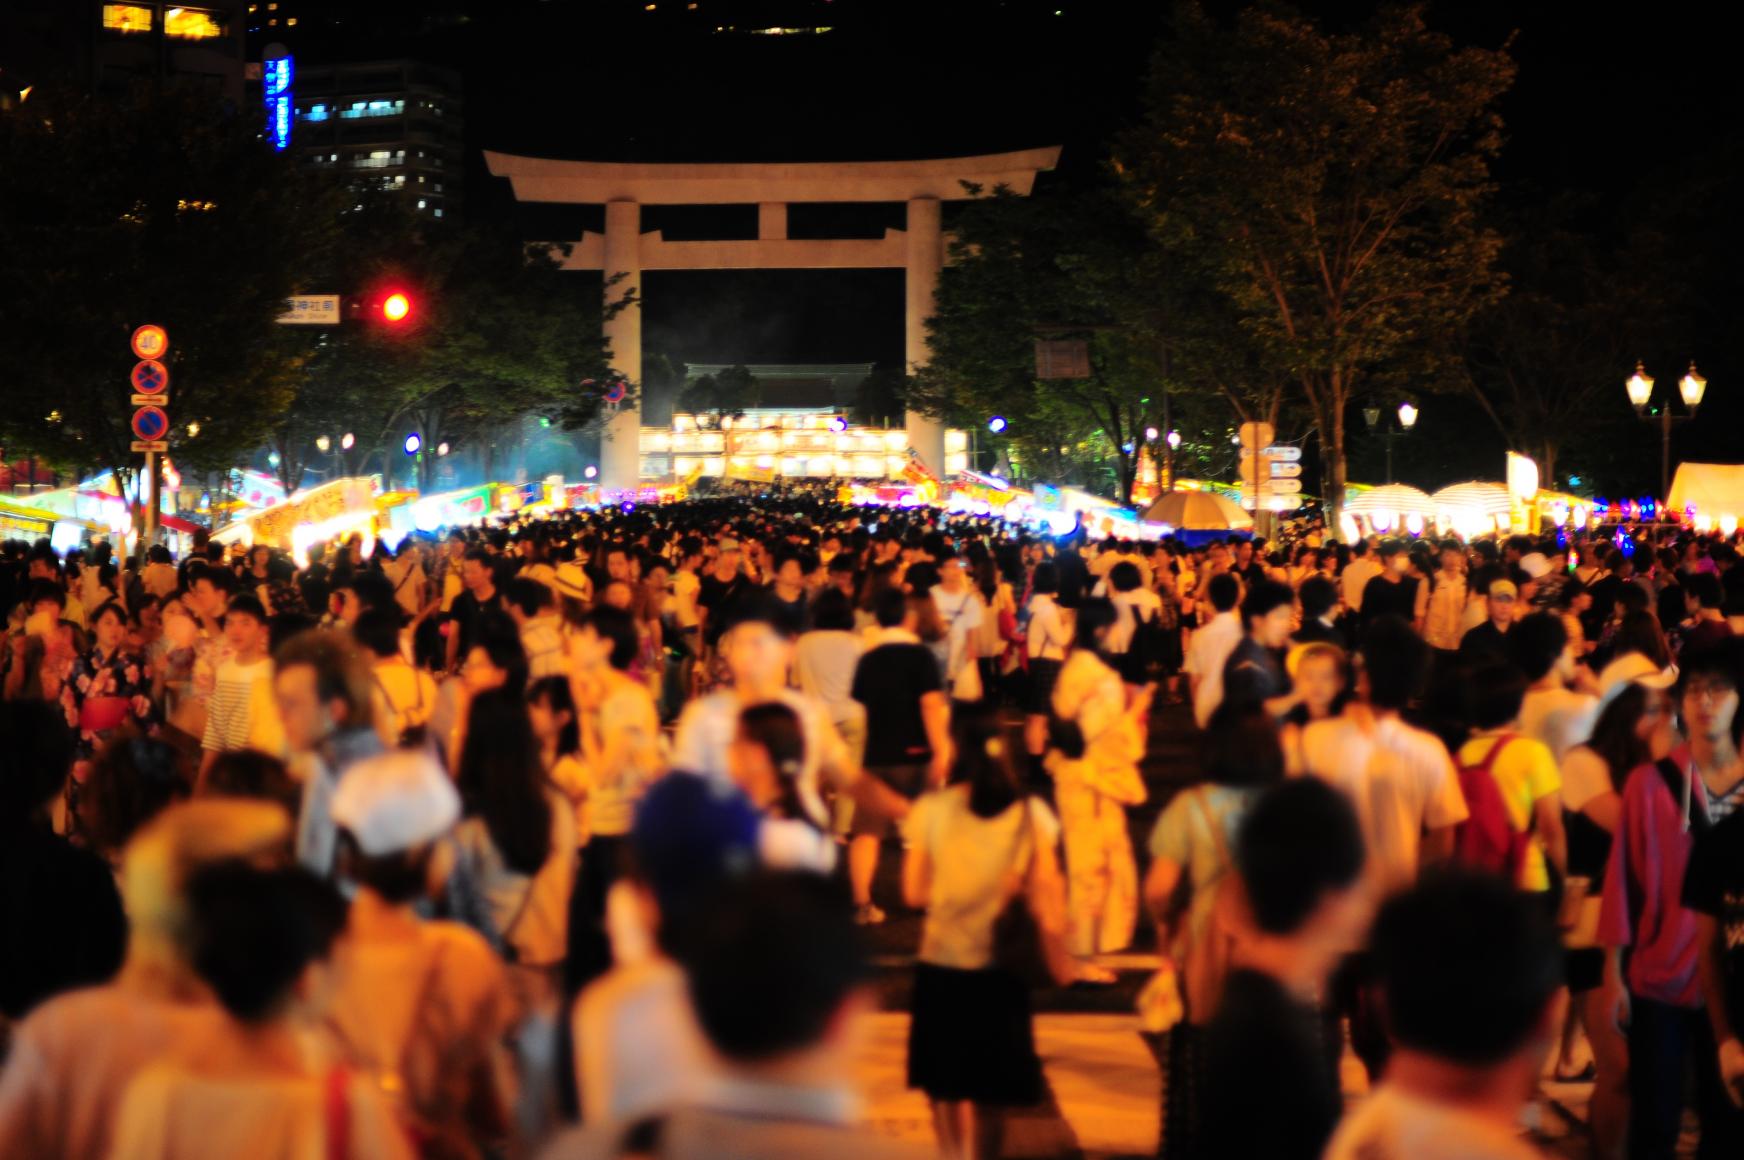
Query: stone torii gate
x=625, y=187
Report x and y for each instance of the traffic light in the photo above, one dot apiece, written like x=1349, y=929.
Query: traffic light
x=390, y=307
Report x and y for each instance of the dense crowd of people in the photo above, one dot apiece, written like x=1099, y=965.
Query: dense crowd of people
x=561, y=836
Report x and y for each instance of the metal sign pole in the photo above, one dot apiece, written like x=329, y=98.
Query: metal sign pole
x=151, y=499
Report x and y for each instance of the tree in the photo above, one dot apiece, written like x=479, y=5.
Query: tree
x=879, y=397
x=1071, y=264
x=1547, y=363
x=1331, y=186
x=499, y=332
x=726, y=395
x=160, y=207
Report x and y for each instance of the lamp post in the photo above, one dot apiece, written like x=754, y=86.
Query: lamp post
x=1407, y=420
x=1640, y=387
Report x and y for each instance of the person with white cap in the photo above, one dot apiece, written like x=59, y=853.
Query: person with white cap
x=421, y=1005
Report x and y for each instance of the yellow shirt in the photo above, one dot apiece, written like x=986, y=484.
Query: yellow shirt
x=1525, y=773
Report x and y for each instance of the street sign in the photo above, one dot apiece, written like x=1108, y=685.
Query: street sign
x=150, y=400
x=1283, y=486
x=1282, y=470
x=158, y=445
x=150, y=342
x=1255, y=435
x=151, y=424
x=1281, y=451
x=311, y=310
x=150, y=377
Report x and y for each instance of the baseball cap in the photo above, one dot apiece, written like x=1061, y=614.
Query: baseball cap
x=395, y=801
x=1504, y=588
x=728, y=544
x=1535, y=565
x=691, y=832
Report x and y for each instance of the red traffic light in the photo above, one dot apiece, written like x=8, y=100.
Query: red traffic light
x=396, y=307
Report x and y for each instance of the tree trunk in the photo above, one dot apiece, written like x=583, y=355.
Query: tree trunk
x=1333, y=472
x=1547, y=464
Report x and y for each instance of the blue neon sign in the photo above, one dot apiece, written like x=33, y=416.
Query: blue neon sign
x=276, y=77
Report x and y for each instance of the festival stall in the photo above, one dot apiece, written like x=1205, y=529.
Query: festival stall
x=329, y=512
x=1709, y=495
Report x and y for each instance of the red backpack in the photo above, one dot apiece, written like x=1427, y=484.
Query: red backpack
x=1487, y=839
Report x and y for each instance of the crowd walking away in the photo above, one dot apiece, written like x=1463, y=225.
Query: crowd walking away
x=616, y=833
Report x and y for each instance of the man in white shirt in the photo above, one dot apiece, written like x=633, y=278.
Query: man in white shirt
x=758, y=656
x=1357, y=574
x=1469, y=969
x=1553, y=711
x=1211, y=647
x=1401, y=779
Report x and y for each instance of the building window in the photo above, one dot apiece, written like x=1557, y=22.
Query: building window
x=127, y=17
x=316, y=113
x=193, y=23
x=438, y=213
x=373, y=109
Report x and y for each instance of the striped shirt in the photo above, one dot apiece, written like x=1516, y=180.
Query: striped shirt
x=227, y=715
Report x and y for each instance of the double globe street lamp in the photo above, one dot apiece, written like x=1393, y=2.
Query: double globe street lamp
x=1407, y=420
x=1640, y=387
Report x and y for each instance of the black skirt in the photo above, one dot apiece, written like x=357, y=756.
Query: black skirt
x=1044, y=673
x=970, y=1038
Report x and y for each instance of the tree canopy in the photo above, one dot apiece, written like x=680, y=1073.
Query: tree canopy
x=1331, y=187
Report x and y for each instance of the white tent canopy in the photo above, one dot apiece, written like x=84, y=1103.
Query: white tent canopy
x=1712, y=489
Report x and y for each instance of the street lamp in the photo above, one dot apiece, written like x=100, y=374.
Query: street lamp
x=347, y=441
x=1174, y=440
x=1640, y=388
x=997, y=424
x=323, y=444
x=1407, y=420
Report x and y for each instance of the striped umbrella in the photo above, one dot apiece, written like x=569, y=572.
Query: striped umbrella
x=1476, y=497
x=1398, y=498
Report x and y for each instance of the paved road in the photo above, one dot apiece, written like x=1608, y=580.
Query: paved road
x=1103, y=1081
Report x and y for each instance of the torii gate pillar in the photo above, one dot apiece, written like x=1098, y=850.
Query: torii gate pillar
x=926, y=255
x=620, y=451
x=624, y=251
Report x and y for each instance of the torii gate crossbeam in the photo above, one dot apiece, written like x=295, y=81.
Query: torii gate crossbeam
x=624, y=187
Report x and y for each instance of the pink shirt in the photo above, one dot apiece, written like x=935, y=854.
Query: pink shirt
x=1643, y=907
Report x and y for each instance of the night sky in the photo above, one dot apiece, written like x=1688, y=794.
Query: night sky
x=1625, y=109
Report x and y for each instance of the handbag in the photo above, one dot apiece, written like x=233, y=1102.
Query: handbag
x=966, y=686
x=1019, y=943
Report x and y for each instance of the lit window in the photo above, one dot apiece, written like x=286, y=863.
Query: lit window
x=291, y=23
x=420, y=203
x=438, y=213
x=316, y=113
x=193, y=24
x=272, y=7
x=127, y=17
